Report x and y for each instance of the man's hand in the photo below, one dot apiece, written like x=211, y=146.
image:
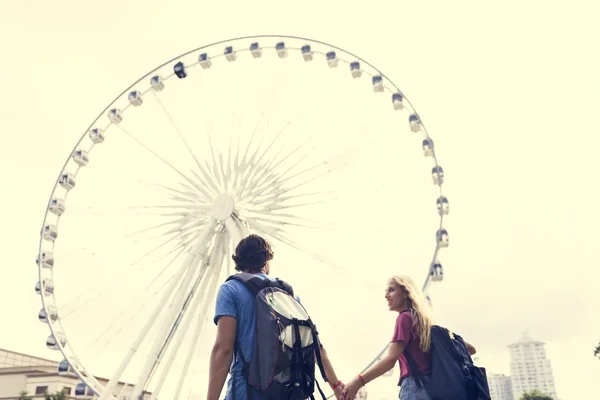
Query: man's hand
x=338, y=391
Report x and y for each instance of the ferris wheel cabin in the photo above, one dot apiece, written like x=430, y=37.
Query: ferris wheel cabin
x=442, y=205
x=377, y=81
x=437, y=173
x=96, y=135
x=57, y=206
x=281, y=50
x=46, y=260
x=397, y=101
x=437, y=272
x=157, y=84
x=180, y=70
x=332, y=59
x=50, y=232
x=204, y=60
x=355, y=69
x=135, y=98
x=64, y=368
x=115, y=116
x=427, y=147
x=229, y=53
x=255, y=50
x=81, y=157
x=415, y=122
x=443, y=238
x=50, y=315
x=307, y=52
x=82, y=391
x=67, y=181
x=53, y=341
x=47, y=285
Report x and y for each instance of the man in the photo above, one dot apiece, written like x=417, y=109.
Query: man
x=236, y=321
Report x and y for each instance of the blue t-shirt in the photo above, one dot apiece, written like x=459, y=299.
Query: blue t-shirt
x=235, y=300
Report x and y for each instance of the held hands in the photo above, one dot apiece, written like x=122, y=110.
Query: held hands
x=351, y=389
x=338, y=392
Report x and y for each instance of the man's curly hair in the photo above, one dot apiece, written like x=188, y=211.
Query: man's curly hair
x=252, y=254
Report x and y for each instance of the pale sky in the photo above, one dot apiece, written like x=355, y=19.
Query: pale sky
x=507, y=90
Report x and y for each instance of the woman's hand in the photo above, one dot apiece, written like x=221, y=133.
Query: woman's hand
x=351, y=389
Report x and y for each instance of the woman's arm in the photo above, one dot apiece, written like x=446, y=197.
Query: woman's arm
x=382, y=366
x=395, y=349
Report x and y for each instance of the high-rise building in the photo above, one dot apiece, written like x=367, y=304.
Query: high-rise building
x=529, y=368
x=500, y=387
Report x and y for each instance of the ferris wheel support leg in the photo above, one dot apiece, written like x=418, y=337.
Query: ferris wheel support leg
x=235, y=231
x=202, y=316
x=205, y=282
x=197, y=254
x=113, y=382
x=120, y=394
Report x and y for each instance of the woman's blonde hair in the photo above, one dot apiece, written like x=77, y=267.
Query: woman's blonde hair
x=419, y=309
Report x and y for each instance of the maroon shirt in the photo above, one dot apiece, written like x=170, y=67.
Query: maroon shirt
x=403, y=333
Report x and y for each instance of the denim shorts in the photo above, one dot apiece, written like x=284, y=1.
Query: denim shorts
x=410, y=391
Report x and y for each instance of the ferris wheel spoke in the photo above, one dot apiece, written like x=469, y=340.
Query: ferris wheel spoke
x=190, y=195
x=217, y=163
x=156, y=155
x=272, y=220
x=207, y=180
x=256, y=167
x=186, y=223
x=187, y=145
x=267, y=173
x=240, y=167
x=72, y=306
x=180, y=223
x=282, y=236
x=258, y=172
x=139, y=298
x=98, y=291
x=278, y=180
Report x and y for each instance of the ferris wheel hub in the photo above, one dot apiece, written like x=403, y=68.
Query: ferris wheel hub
x=223, y=207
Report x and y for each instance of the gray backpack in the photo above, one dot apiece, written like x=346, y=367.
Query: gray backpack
x=286, y=344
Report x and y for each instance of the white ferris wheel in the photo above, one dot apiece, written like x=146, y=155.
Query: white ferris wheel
x=293, y=139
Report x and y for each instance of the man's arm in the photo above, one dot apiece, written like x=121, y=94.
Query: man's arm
x=223, y=349
x=221, y=356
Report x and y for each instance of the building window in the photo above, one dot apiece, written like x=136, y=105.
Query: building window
x=41, y=389
x=66, y=390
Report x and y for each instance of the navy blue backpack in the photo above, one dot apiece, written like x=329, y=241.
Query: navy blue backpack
x=452, y=374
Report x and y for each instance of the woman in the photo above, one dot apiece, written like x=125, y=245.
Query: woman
x=411, y=332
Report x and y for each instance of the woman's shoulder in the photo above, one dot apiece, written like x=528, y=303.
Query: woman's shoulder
x=404, y=316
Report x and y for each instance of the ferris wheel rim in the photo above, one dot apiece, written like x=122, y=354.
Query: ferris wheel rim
x=79, y=369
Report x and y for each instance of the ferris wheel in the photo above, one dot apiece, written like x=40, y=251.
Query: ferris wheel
x=294, y=139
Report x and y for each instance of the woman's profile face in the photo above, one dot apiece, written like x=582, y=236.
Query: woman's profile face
x=395, y=296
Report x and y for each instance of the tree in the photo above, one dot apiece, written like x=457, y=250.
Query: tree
x=597, y=351
x=56, y=396
x=535, y=395
x=23, y=396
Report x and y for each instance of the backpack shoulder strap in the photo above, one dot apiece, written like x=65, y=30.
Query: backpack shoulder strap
x=253, y=282
x=284, y=286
